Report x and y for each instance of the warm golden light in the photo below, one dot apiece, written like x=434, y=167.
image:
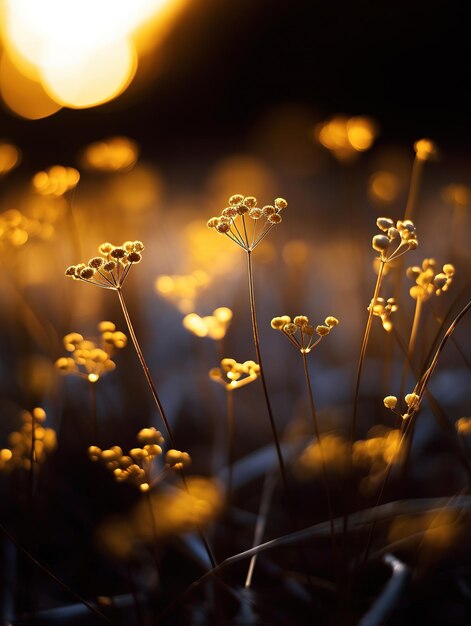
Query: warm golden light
x=74, y=54
x=111, y=155
x=10, y=157
x=345, y=137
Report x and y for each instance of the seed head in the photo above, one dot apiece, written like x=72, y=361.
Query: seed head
x=280, y=204
x=390, y=402
x=96, y=262
x=118, y=253
x=134, y=257
x=275, y=218
x=250, y=202
x=236, y=199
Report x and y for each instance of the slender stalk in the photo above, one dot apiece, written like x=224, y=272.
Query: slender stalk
x=230, y=441
x=253, y=314
x=154, y=533
x=412, y=342
x=51, y=575
x=318, y=437
x=267, y=493
x=144, y=366
x=94, y=422
x=364, y=343
x=158, y=403
x=416, y=176
x=32, y=460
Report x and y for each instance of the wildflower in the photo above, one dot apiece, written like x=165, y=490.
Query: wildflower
x=384, y=309
x=233, y=375
x=138, y=466
x=110, y=269
x=239, y=221
x=428, y=281
x=89, y=360
x=32, y=442
x=301, y=333
x=395, y=240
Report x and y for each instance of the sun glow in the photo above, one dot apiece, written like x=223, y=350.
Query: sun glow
x=81, y=54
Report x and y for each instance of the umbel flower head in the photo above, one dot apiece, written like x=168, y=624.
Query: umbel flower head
x=110, y=269
x=233, y=375
x=428, y=281
x=384, y=309
x=138, y=466
x=395, y=240
x=246, y=223
x=20, y=450
x=88, y=359
x=301, y=333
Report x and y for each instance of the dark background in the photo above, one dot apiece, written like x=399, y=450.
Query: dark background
x=226, y=62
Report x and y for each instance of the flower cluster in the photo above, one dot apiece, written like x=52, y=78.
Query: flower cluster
x=301, y=333
x=109, y=270
x=240, y=220
x=382, y=448
x=20, y=451
x=394, y=240
x=213, y=326
x=384, y=309
x=412, y=401
x=88, y=359
x=428, y=281
x=137, y=467
x=233, y=375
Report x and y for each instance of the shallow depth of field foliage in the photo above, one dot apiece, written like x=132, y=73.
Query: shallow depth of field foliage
x=248, y=403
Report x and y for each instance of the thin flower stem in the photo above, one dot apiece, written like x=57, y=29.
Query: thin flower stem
x=318, y=437
x=144, y=366
x=154, y=533
x=51, y=575
x=230, y=440
x=411, y=347
x=245, y=231
x=364, y=344
x=417, y=169
x=267, y=494
x=253, y=314
x=32, y=460
x=94, y=422
x=361, y=359
x=158, y=404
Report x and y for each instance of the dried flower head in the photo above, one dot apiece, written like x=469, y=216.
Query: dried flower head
x=428, y=281
x=233, y=375
x=240, y=220
x=110, y=269
x=91, y=360
x=20, y=451
x=394, y=240
x=301, y=333
x=384, y=309
x=138, y=466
